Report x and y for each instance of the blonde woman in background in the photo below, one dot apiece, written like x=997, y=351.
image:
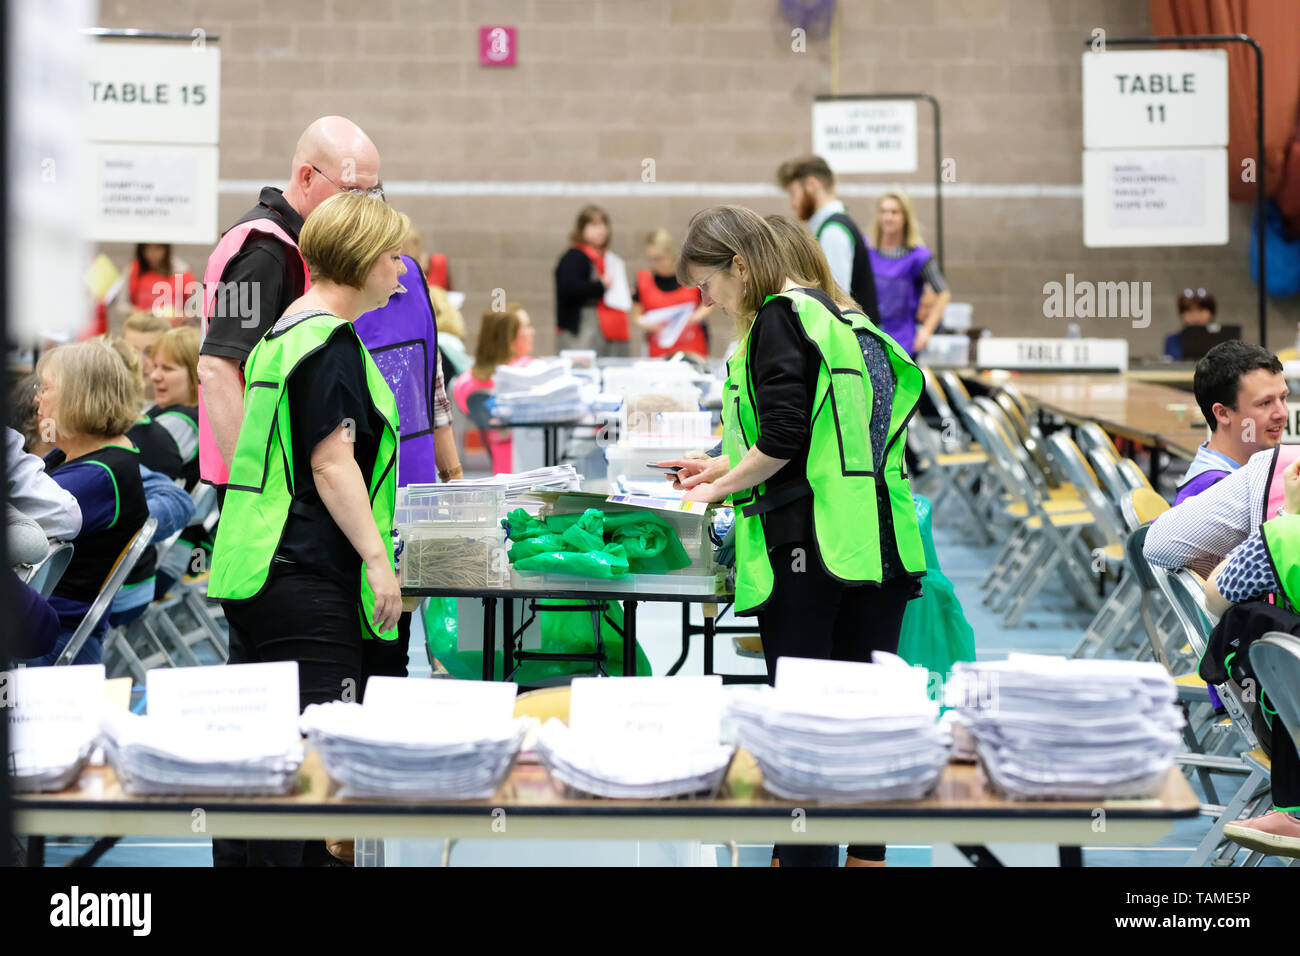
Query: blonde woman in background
x=657, y=288
x=142, y=330
x=451, y=334
x=903, y=267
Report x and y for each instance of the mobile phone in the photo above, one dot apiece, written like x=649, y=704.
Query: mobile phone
x=663, y=468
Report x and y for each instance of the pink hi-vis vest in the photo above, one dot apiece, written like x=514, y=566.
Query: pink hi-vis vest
x=1283, y=456
x=212, y=467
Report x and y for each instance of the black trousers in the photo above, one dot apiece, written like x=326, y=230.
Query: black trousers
x=306, y=617
x=812, y=615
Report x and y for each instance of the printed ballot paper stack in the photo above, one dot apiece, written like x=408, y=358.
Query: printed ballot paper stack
x=53, y=723
x=1048, y=727
x=419, y=739
x=639, y=737
x=229, y=729
x=843, y=731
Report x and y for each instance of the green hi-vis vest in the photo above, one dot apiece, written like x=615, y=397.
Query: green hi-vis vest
x=841, y=469
x=1282, y=542
x=261, y=491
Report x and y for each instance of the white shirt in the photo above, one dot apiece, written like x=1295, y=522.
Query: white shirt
x=837, y=244
x=1200, y=532
x=37, y=495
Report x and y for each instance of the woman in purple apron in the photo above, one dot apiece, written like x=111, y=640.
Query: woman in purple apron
x=902, y=267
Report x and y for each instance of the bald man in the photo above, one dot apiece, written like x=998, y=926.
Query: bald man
x=256, y=271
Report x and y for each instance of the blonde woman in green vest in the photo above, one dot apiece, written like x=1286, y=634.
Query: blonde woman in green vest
x=303, y=559
x=828, y=551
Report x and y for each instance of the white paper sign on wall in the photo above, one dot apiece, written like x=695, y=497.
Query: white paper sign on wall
x=1155, y=98
x=153, y=91
x=865, y=136
x=1146, y=197
x=168, y=193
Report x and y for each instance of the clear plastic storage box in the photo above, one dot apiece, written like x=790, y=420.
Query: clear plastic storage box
x=454, y=556
x=483, y=505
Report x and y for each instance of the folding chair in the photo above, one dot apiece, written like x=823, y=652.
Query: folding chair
x=1028, y=434
x=1037, y=472
x=953, y=464
x=1135, y=477
x=1022, y=403
x=1186, y=592
x=1043, y=540
x=112, y=584
x=952, y=428
x=1275, y=658
x=1112, y=483
x=1092, y=438
x=44, y=576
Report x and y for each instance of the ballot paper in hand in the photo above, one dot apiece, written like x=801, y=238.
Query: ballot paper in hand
x=671, y=321
x=53, y=723
x=618, y=295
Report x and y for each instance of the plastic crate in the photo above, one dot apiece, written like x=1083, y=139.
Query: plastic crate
x=691, y=529
x=422, y=504
x=454, y=556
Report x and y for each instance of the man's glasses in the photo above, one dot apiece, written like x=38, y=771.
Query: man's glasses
x=701, y=285
x=374, y=192
x=1193, y=293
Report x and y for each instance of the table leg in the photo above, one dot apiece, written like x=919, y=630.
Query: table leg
x=489, y=638
x=1154, y=467
x=686, y=640
x=629, y=638
x=508, y=637
x=708, y=644
x=1071, y=855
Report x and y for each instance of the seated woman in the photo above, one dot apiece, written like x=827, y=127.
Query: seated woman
x=1196, y=307
x=87, y=392
x=142, y=330
x=498, y=343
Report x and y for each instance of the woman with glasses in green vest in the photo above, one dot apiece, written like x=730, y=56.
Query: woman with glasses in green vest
x=815, y=409
x=303, y=559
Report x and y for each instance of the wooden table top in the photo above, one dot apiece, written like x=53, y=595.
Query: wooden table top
x=962, y=791
x=1141, y=411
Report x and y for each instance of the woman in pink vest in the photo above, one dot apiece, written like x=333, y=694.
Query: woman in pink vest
x=498, y=344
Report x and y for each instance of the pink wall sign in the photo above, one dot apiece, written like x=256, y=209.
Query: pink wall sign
x=496, y=46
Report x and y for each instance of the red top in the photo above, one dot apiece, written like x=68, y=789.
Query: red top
x=651, y=296
x=146, y=289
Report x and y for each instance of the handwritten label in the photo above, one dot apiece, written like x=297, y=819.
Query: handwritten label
x=656, y=711
x=52, y=703
x=461, y=706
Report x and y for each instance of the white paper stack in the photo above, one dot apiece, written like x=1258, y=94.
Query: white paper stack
x=370, y=754
x=518, y=484
x=1052, y=728
x=639, y=737
x=542, y=390
x=153, y=755
x=843, y=731
x=610, y=769
x=54, y=724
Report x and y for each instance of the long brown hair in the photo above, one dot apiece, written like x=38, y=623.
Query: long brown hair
x=807, y=261
x=717, y=235
x=496, y=341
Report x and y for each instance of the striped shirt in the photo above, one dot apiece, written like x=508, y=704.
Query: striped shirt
x=1200, y=532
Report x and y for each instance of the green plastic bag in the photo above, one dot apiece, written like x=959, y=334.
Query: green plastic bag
x=935, y=633
x=594, y=544
x=563, y=632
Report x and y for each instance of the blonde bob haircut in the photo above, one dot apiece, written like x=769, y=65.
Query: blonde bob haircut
x=496, y=341
x=911, y=228
x=345, y=235
x=131, y=359
x=97, y=396
x=717, y=235
x=660, y=240
x=145, y=322
x=180, y=346
x=446, y=316
x=807, y=261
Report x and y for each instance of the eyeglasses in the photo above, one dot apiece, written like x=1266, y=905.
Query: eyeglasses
x=701, y=285
x=1193, y=293
x=374, y=192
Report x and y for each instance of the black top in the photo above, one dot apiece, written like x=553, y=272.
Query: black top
x=158, y=451
x=95, y=551
x=258, y=283
x=190, y=468
x=576, y=285
x=862, y=282
x=326, y=390
x=783, y=366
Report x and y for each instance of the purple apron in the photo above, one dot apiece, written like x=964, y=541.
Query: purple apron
x=898, y=291
x=403, y=340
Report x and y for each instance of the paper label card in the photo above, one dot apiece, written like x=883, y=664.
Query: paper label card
x=52, y=702
x=848, y=679
x=227, y=698
x=648, y=711
x=450, y=704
